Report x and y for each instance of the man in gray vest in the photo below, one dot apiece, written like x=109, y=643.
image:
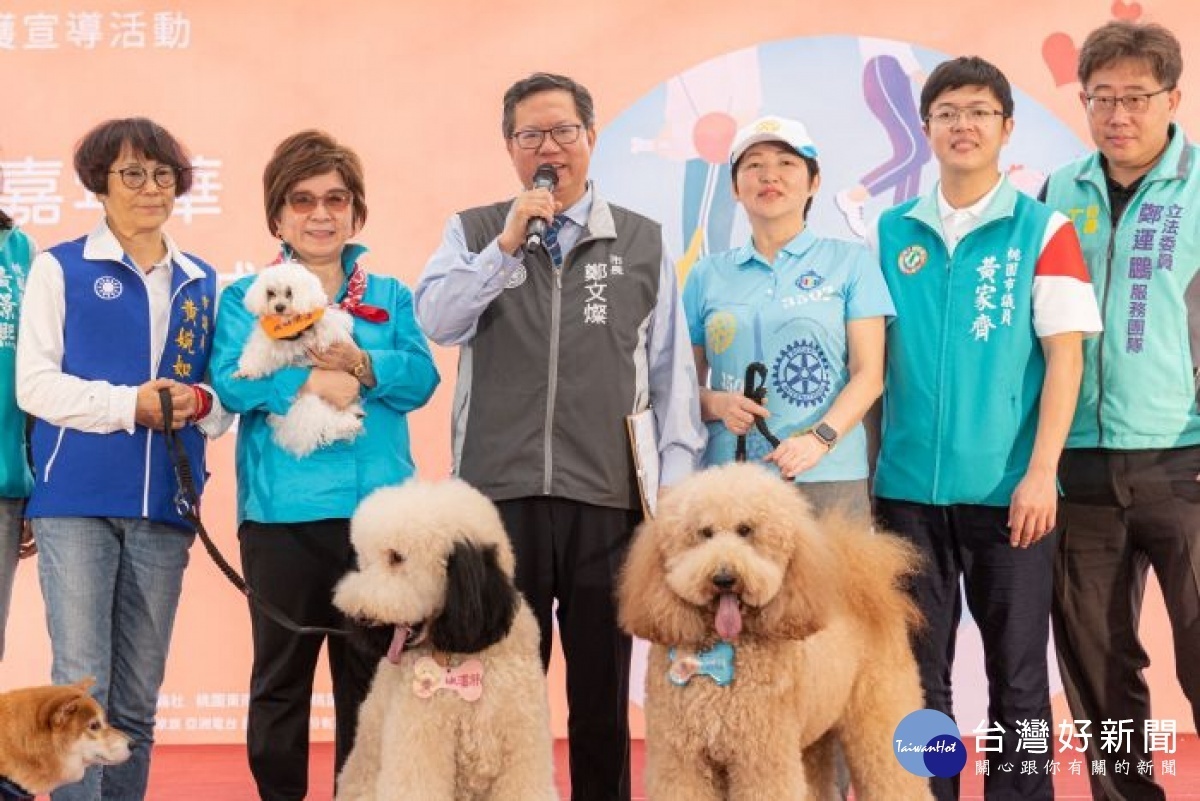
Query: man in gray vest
x=558, y=345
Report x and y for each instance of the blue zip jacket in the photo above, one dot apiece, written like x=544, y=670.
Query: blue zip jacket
x=274, y=486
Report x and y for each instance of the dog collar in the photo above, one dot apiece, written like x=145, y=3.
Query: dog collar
x=11, y=791
x=278, y=326
x=716, y=663
x=466, y=679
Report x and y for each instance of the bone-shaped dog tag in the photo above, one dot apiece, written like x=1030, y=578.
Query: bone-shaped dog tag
x=716, y=663
x=466, y=679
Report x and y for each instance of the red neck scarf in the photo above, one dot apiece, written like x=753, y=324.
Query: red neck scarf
x=356, y=287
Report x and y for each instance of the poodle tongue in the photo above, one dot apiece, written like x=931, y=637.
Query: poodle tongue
x=729, y=617
x=398, y=641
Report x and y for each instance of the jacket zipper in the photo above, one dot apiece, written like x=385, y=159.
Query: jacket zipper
x=552, y=373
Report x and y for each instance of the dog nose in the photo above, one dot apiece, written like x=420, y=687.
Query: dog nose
x=724, y=580
x=280, y=308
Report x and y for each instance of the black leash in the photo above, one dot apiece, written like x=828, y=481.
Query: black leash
x=187, y=503
x=755, y=388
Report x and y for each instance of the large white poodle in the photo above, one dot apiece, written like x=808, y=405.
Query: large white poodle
x=294, y=318
x=773, y=634
x=458, y=708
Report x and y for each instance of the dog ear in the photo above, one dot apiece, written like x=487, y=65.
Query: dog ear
x=648, y=608
x=807, y=596
x=255, y=299
x=60, y=707
x=480, y=602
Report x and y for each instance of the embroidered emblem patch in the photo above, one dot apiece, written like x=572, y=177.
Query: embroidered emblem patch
x=810, y=280
x=108, y=288
x=911, y=259
x=720, y=331
x=802, y=374
x=516, y=277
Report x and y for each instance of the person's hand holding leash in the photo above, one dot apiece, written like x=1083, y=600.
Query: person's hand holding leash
x=797, y=454
x=149, y=408
x=733, y=409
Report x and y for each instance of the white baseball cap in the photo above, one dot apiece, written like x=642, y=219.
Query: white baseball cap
x=773, y=129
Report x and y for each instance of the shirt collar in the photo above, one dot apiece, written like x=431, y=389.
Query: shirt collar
x=581, y=210
x=801, y=242
x=102, y=245
x=975, y=211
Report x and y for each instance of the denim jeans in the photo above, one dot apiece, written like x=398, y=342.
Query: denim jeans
x=11, y=510
x=111, y=588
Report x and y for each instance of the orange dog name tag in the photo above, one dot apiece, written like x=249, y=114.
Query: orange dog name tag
x=466, y=679
x=281, y=326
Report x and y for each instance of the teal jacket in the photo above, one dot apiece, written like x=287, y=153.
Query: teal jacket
x=16, y=254
x=274, y=486
x=1140, y=377
x=965, y=365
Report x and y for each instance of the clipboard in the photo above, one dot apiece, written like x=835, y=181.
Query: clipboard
x=643, y=443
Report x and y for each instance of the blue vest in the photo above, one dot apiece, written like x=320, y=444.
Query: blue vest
x=106, y=337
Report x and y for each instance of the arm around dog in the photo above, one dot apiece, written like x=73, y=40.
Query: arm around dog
x=274, y=393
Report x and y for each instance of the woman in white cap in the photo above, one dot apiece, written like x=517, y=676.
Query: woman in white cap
x=811, y=310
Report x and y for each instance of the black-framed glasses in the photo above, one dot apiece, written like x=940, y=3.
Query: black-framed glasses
x=165, y=176
x=335, y=200
x=1135, y=103
x=946, y=117
x=533, y=138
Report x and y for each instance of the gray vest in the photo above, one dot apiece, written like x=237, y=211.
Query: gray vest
x=557, y=361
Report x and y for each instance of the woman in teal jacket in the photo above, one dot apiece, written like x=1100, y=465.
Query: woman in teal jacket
x=16, y=254
x=294, y=512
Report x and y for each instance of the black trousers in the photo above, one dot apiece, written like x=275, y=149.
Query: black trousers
x=572, y=552
x=295, y=568
x=1125, y=512
x=1008, y=592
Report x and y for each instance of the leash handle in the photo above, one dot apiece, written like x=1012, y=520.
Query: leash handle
x=187, y=503
x=754, y=387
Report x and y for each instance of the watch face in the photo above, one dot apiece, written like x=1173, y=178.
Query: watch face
x=825, y=433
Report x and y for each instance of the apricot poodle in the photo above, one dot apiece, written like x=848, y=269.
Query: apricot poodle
x=773, y=634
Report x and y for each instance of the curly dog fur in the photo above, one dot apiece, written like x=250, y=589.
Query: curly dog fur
x=286, y=290
x=821, y=631
x=435, y=580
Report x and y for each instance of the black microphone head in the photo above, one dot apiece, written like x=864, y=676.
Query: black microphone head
x=546, y=177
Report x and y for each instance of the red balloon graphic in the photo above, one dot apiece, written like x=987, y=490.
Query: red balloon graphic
x=712, y=136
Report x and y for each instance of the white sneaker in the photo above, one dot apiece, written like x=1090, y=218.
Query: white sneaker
x=852, y=210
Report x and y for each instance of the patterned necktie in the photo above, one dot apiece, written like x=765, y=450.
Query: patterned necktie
x=551, y=239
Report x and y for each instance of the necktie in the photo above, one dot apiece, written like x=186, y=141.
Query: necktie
x=551, y=240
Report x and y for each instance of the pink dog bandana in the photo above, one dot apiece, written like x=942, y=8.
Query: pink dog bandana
x=465, y=679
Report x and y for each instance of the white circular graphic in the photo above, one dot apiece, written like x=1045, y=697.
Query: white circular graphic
x=108, y=288
x=516, y=278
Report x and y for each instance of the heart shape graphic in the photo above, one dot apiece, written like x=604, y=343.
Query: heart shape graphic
x=1061, y=56
x=1128, y=12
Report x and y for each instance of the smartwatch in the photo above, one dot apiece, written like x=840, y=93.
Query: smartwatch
x=826, y=433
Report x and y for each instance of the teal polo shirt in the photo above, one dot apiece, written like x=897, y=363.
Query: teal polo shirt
x=791, y=316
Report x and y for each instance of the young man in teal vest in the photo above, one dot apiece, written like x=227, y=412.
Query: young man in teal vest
x=984, y=360
x=1130, y=471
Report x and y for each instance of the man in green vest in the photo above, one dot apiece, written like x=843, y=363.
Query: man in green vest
x=984, y=359
x=1132, y=464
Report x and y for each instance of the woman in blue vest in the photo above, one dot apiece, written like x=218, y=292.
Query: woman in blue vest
x=108, y=320
x=810, y=309
x=294, y=511
x=16, y=254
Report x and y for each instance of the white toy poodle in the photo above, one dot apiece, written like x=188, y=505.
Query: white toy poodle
x=294, y=318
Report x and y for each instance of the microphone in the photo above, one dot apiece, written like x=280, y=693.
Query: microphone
x=546, y=177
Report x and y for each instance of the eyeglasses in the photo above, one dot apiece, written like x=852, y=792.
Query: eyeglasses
x=562, y=134
x=135, y=177
x=334, y=201
x=1137, y=103
x=974, y=116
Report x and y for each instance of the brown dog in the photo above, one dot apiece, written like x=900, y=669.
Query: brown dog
x=50, y=735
